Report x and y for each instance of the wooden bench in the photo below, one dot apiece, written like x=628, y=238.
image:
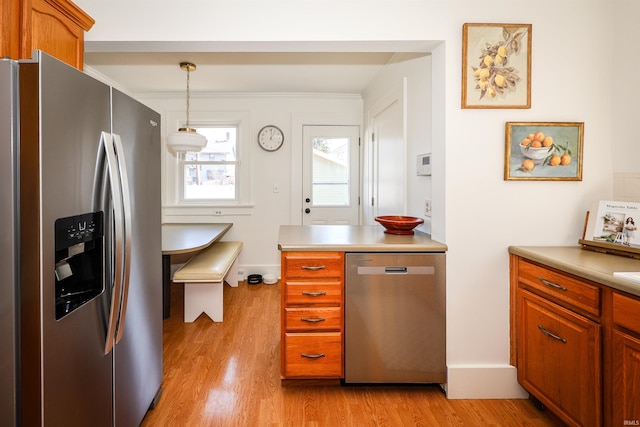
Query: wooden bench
x=203, y=277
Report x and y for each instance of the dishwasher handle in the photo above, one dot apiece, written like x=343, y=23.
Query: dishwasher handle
x=396, y=270
x=410, y=270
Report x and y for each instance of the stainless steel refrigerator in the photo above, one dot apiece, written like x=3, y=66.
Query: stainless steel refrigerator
x=86, y=293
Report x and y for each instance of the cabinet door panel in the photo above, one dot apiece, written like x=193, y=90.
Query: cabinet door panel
x=559, y=359
x=626, y=379
x=56, y=27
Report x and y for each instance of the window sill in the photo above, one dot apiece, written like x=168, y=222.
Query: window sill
x=206, y=210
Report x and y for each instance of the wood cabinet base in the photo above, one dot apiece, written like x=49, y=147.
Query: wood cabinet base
x=576, y=345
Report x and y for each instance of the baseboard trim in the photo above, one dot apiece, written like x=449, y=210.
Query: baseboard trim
x=483, y=382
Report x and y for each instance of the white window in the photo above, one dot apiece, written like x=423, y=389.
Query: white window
x=211, y=175
x=216, y=177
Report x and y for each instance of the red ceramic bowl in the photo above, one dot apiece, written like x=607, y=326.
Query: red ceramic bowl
x=398, y=224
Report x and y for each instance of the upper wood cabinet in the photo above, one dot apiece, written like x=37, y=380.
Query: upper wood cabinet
x=56, y=27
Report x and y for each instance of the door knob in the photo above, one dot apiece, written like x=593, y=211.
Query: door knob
x=307, y=210
x=307, y=200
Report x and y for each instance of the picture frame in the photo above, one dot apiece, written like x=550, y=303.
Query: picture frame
x=553, y=151
x=613, y=227
x=496, y=65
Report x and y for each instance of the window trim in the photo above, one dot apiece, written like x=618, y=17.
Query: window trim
x=173, y=181
x=182, y=162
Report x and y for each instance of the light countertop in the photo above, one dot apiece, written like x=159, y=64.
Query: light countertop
x=353, y=238
x=590, y=265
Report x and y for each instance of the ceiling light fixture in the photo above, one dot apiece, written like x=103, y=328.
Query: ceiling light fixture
x=186, y=139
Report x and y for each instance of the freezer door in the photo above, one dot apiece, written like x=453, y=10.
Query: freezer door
x=138, y=354
x=67, y=378
x=8, y=242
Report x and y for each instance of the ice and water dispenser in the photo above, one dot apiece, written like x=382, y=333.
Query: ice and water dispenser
x=79, y=268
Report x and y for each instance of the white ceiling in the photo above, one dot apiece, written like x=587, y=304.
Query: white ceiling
x=237, y=72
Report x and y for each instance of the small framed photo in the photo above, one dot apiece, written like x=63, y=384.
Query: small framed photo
x=496, y=66
x=543, y=151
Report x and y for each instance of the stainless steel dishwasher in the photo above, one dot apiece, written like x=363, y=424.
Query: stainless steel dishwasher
x=395, y=318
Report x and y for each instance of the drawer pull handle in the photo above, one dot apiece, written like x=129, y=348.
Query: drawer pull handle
x=549, y=334
x=312, y=356
x=314, y=294
x=553, y=285
x=313, y=320
x=313, y=267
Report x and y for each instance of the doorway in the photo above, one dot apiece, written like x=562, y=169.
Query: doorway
x=330, y=174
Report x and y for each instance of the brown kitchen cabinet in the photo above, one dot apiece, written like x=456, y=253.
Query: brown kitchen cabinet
x=56, y=27
x=559, y=342
x=626, y=353
x=574, y=341
x=312, y=325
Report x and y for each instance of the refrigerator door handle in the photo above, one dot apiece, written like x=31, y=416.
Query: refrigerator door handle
x=126, y=205
x=106, y=142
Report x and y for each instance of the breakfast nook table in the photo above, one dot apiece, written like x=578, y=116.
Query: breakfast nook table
x=182, y=239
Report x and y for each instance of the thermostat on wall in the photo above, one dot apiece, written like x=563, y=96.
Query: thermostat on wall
x=423, y=166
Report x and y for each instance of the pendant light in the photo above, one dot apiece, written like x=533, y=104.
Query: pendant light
x=186, y=139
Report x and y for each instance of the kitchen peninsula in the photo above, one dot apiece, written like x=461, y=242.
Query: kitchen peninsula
x=334, y=280
x=353, y=238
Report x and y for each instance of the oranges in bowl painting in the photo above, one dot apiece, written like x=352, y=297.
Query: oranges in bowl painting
x=538, y=148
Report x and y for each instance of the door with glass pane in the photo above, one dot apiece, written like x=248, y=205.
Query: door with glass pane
x=330, y=175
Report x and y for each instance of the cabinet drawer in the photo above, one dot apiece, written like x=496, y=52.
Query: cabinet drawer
x=626, y=312
x=313, y=264
x=313, y=355
x=323, y=292
x=313, y=319
x=560, y=287
x=559, y=359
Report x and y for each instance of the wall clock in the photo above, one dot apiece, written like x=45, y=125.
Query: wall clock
x=270, y=138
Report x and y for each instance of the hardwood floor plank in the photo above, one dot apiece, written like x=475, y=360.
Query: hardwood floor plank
x=228, y=374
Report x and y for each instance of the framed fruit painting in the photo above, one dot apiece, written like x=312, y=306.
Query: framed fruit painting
x=543, y=151
x=496, y=66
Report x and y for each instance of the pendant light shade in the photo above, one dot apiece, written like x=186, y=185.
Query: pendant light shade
x=186, y=139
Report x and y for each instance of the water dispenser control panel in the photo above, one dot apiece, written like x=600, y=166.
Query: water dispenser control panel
x=79, y=268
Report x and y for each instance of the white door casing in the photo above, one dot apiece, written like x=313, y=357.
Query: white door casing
x=386, y=157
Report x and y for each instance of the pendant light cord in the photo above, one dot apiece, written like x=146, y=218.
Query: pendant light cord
x=188, y=103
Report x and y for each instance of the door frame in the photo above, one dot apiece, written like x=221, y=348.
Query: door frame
x=369, y=178
x=297, y=123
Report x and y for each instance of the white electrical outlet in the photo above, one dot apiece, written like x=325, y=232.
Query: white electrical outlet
x=427, y=208
x=217, y=212
x=276, y=188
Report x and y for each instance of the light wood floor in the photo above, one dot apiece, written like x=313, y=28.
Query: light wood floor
x=228, y=374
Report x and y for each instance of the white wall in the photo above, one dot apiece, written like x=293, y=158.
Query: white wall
x=624, y=56
x=574, y=78
x=255, y=224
